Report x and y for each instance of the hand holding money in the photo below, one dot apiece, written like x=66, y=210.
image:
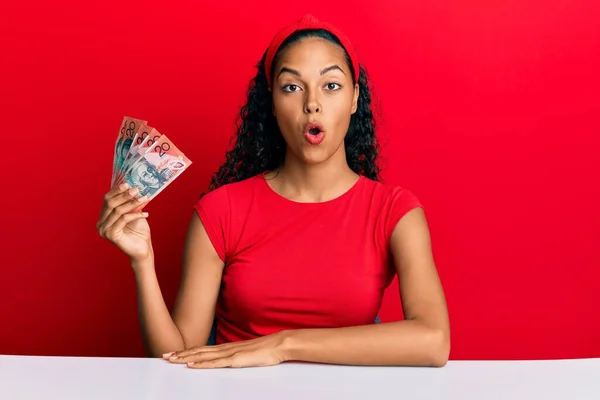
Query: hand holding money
x=127, y=229
x=145, y=163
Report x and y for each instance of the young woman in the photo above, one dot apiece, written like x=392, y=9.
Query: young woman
x=291, y=249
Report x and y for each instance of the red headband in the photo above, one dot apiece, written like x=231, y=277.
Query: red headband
x=309, y=22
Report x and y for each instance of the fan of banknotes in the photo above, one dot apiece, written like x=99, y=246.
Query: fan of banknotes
x=146, y=159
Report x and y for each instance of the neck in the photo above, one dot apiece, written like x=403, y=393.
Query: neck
x=304, y=182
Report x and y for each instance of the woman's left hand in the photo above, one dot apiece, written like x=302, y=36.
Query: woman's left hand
x=261, y=352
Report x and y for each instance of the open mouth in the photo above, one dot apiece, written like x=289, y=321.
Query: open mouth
x=313, y=128
x=314, y=133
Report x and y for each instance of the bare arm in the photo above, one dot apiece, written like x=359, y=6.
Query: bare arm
x=194, y=308
x=422, y=339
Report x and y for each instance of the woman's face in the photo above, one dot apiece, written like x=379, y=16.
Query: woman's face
x=312, y=83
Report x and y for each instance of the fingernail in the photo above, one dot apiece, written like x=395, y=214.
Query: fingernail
x=133, y=191
x=142, y=199
x=124, y=186
x=145, y=214
x=190, y=364
x=166, y=354
x=173, y=358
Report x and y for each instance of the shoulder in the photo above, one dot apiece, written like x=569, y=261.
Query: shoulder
x=219, y=209
x=224, y=195
x=391, y=202
x=390, y=195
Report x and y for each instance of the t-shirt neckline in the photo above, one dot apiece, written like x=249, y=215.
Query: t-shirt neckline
x=273, y=193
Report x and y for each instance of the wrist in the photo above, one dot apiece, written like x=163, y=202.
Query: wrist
x=143, y=264
x=290, y=345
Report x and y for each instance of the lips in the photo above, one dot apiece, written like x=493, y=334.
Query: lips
x=314, y=133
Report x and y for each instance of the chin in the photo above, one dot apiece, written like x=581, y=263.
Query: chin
x=314, y=160
x=315, y=154
x=315, y=157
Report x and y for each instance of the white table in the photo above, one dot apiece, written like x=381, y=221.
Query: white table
x=27, y=377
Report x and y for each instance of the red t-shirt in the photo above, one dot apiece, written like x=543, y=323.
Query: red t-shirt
x=291, y=265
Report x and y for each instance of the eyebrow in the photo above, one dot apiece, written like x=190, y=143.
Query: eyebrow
x=331, y=68
x=297, y=73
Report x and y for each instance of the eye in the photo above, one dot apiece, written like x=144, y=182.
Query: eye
x=291, y=88
x=333, y=86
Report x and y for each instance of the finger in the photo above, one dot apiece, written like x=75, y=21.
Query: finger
x=131, y=205
x=143, y=202
x=110, y=203
x=106, y=209
x=176, y=354
x=206, y=349
x=203, y=356
x=186, y=353
x=219, y=363
x=112, y=232
x=194, y=350
x=115, y=190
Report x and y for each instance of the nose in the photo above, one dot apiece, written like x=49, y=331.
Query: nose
x=312, y=104
x=312, y=108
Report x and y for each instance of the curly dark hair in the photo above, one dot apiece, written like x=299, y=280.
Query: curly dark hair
x=259, y=145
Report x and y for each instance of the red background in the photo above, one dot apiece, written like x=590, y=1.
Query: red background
x=490, y=115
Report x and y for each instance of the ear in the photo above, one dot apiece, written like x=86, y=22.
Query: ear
x=355, y=98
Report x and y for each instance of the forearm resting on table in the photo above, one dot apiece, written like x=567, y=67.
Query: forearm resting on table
x=409, y=343
x=159, y=332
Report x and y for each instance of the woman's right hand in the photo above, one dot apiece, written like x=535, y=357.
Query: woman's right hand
x=128, y=230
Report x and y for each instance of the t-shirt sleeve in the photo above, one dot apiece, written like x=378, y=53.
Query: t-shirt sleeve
x=213, y=209
x=401, y=202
